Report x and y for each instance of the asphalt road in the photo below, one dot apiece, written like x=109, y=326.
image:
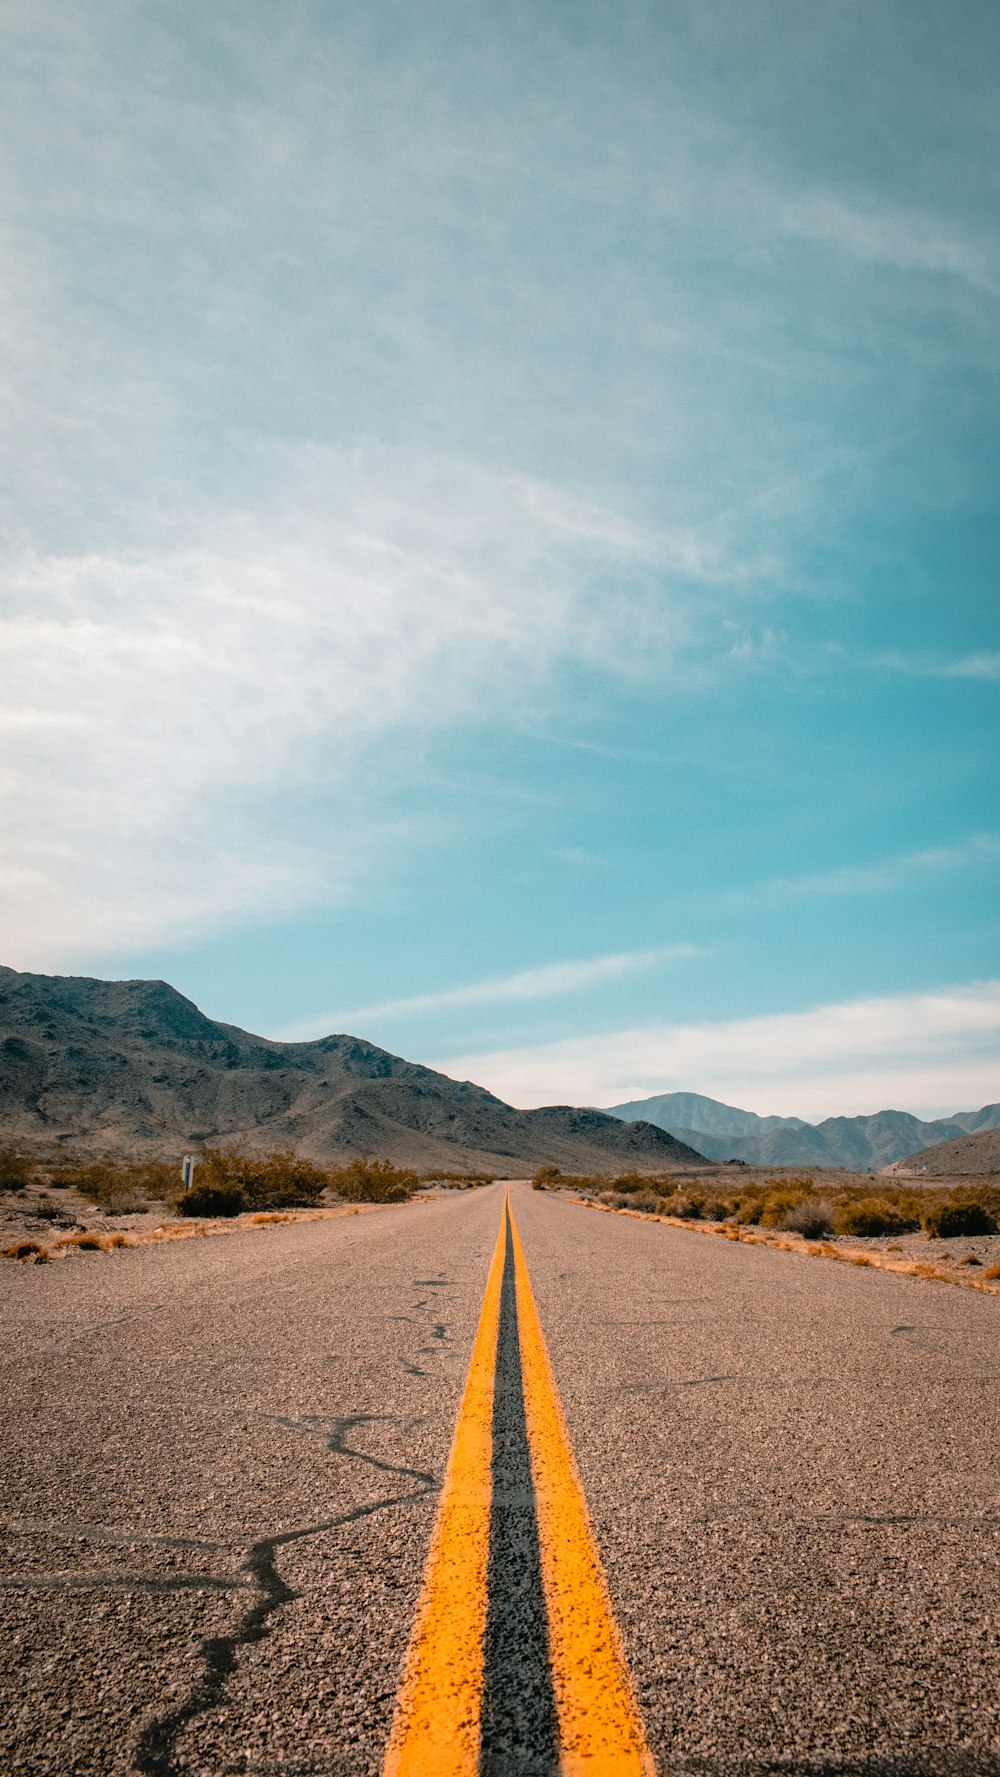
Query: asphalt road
x=224, y=1460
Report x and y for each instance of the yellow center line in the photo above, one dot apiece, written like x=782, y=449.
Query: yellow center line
x=436, y=1731
x=436, y=1728
x=600, y=1729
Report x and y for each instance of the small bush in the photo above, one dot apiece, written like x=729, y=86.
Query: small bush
x=958, y=1221
x=993, y=1273
x=680, y=1205
x=630, y=1183
x=749, y=1211
x=647, y=1201
x=46, y=1211
x=212, y=1200
x=970, y=1259
x=811, y=1218
x=781, y=1200
x=15, y=1170
x=85, y=1243
x=459, y=1181
x=871, y=1217
x=546, y=1178
x=373, y=1181
x=117, y=1187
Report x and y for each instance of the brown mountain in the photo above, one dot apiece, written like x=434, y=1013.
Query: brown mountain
x=132, y=1067
x=977, y=1153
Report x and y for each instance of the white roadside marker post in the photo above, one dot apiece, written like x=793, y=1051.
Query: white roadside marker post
x=187, y=1170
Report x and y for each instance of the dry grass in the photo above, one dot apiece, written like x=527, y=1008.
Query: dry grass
x=22, y=1249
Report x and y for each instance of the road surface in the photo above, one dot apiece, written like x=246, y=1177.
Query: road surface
x=225, y=1461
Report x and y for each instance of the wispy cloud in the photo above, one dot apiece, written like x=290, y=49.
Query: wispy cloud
x=919, y=1052
x=894, y=235
x=880, y=877
x=546, y=982
x=984, y=664
x=166, y=700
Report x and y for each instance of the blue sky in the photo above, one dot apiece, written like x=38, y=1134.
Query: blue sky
x=502, y=552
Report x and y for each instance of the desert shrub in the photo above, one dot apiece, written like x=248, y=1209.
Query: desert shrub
x=119, y=1187
x=459, y=1181
x=870, y=1217
x=958, y=1221
x=681, y=1205
x=715, y=1209
x=780, y=1198
x=647, y=1201
x=47, y=1211
x=265, y=1181
x=207, y=1199
x=630, y=1183
x=811, y=1218
x=549, y=1178
x=16, y=1171
x=546, y=1178
x=749, y=1210
x=22, y=1249
x=373, y=1181
x=112, y=1188
x=992, y=1274
x=84, y=1243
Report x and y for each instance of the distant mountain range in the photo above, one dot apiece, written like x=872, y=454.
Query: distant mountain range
x=132, y=1067
x=859, y=1144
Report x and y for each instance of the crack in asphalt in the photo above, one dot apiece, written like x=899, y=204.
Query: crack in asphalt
x=338, y=1426
x=154, y=1754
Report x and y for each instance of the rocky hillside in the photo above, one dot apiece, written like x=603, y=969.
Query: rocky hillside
x=859, y=1144
x=132, y=1067
x=968, y=1154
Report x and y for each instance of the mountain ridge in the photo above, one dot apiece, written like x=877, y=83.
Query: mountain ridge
x=859, y=1144
x=134, y=1066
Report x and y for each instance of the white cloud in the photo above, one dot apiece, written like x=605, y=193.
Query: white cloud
x=918, y=1052
x=887, y=234
x=547, y=982
x=164, y=704
x=877, y=878
x=982, y=665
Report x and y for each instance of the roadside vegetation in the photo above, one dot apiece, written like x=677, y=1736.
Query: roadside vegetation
x=795, y=1205
x=228, y=1182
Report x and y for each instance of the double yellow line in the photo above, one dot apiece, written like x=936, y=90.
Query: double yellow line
x=437, y=1728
